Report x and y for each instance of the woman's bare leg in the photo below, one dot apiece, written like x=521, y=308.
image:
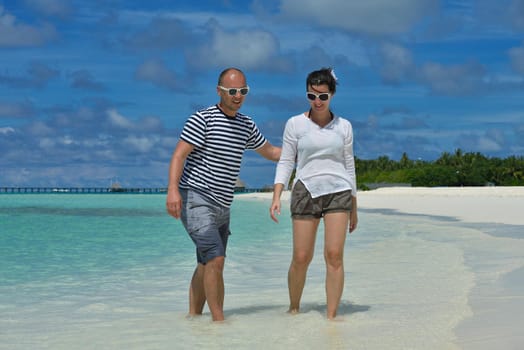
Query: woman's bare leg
x=336, y=227
x=304, y=233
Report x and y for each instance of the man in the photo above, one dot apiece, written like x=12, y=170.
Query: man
x=202, y=174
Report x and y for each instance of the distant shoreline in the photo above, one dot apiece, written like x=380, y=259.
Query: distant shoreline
x=78, y=190
x=491, y=204
x=264, y=191
x=94, y=190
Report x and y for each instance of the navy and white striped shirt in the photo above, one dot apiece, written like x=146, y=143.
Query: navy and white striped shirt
x=219, y=142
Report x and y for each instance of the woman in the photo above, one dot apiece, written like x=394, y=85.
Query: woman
x=320, y=145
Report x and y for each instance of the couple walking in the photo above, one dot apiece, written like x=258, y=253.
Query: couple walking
x=206, y=163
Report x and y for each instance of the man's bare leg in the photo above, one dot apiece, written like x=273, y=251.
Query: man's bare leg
x=214, y=287
x=197, y=295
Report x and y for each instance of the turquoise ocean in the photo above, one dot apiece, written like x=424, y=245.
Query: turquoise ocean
x=111, y=271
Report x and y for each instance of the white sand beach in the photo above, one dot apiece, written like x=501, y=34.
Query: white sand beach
x=502, y=205
x=494, y=252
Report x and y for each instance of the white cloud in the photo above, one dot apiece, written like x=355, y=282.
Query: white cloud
x=486, y=144
x=66, y=140
x=456, y=80
x=150, y=123
x=398, y=66
x=15, y=110
x=381, y=17
x=82, y=79
x=118, y=120
x=516, y=11
x=39, y=128
x=58, y=8
x=490, y=141
x=397, y=63
x=161, y=33
x=13, y=34
x=248, y=49
x=251, y=49
x=516, y=56
x=140, y=144
x=156, y=72
x=47, y=143
x=7, y=130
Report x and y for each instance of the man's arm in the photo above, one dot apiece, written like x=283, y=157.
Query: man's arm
x=269, y=151
x=174, y=200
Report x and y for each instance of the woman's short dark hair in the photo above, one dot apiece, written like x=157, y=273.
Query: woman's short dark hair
x=321, y=77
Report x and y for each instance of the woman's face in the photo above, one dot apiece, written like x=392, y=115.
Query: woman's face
x=319, y=97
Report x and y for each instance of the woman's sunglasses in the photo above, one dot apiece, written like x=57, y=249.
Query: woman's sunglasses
x=233, y=91
x=322, y=97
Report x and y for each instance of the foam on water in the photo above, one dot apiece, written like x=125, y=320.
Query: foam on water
x=112, y=272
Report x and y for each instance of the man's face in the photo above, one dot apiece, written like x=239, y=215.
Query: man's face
x=232, y=91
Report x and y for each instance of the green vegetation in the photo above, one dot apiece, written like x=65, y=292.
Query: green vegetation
x=458, y=169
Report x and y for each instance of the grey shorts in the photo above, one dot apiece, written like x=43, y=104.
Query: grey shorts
x=304, y=207
x=207, y=223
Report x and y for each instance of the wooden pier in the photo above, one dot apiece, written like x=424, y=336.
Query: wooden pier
x=80, y=190
x=104, y=190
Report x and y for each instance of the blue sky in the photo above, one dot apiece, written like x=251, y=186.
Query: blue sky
x=97, y=91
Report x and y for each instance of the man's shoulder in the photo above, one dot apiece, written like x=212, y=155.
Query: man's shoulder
x=244, y=117
x=206, y=115
x=208, y=111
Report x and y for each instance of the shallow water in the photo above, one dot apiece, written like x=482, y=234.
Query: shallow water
x=111, y=271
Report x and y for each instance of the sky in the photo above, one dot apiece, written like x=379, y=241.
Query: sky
x=97, y=92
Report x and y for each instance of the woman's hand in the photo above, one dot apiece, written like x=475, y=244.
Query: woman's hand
x=274, y=209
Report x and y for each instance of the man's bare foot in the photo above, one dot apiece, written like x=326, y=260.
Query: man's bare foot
x=335, y=318
x=192, y=316
x=224, y=321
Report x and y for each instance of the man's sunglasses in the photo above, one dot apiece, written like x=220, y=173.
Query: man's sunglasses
x=322, y=97
x=233, y=91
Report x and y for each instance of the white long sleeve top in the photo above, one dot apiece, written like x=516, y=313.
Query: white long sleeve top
x=323, y=156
